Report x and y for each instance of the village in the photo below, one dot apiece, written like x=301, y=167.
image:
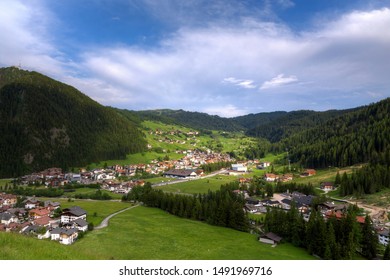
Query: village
x=111, y=177
x=43, y=219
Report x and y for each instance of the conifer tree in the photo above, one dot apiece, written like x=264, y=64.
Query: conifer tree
x=369, y=242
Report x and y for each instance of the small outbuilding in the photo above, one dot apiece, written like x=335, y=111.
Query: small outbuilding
x=270, y=238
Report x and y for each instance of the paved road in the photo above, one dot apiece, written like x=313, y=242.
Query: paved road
x=104, y=223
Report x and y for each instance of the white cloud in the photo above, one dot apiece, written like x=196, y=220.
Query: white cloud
x=239, y=82
x=227, y=111
x=278, y=81
x=25, y=37
x=375, y=94
x=185, y=70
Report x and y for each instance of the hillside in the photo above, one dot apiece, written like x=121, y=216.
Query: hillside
x=279, y=125
x=357, y=136
x=45, y=123
x=201, y=121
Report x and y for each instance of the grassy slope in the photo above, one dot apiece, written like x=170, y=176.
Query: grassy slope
x=102, y=208
x=91, y=191
x=229, y=141
x=199, y=186
x=18, y=247
x=143, y=233
x=3, y=182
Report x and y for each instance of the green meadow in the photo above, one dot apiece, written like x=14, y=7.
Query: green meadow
x=199, y=185
x=96, y=210
x=150, y=233
x=4, y=182
x=145, y=233
x=15, y=246
x=89, y=191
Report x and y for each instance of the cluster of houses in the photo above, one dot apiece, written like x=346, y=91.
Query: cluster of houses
x=55, y=177
x=42, y=219
x=164, y=136
x=271, y=177
x=303, y=203
x=121, y=187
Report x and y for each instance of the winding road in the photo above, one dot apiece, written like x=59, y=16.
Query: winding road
x=104, y=223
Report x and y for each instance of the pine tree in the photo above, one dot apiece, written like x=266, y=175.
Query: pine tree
x=369, y=242
x=337, y=181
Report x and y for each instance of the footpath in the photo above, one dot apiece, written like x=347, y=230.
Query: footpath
x=104, y=223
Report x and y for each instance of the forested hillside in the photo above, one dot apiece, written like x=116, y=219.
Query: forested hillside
x=200, y=121
x=357, y=136
x=279, y=125
x=45, y=123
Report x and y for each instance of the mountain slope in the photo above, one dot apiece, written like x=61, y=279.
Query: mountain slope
x=356, y=136
x=46, y=123
x=191, y=119
x=279, y=125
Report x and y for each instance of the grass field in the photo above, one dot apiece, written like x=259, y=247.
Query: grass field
x=15, y=246
x=91, y=191
x=324, y=175
x=200, y=185
x=102, y=208
x=3, y=182
x=381, y=198
x=150, y=233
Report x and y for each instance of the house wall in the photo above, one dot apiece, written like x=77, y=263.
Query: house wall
x=67, y=219
x=55, y=236
x=384, y=240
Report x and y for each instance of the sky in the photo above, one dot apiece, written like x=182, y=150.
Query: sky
x=221, y=57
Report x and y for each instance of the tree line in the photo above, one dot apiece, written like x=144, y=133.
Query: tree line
x=211, y=167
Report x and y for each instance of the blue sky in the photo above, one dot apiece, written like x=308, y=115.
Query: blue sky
x=223, y=57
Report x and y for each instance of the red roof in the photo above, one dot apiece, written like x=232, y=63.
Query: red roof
x=42, y=221
x=39, y=212
x=360, y=219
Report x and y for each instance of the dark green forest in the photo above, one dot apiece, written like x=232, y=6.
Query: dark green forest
x=335, y=239
x=370, y=179
x=45, y=123
x=196, y=120
x=359, y=136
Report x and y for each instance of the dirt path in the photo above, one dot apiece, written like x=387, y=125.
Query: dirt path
x=104, y=223
x=371, y=209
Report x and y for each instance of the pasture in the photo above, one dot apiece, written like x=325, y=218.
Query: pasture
x=150, y=234
x=199, y=185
